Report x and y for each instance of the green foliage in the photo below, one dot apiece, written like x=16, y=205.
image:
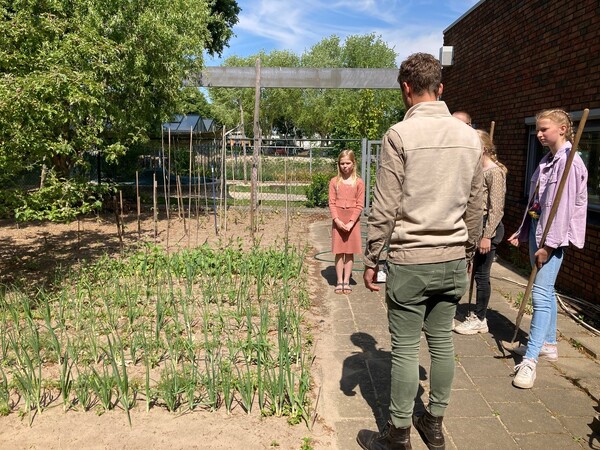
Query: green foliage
x=9, y=201
x=89, y=76
x=61, y=200
x=316, y=112
x=317, y=193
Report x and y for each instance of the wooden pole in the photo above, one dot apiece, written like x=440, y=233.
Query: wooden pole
x=255, y=153
x=121, y=212
x=139, y=206
x=190, y=187
x=223, y=200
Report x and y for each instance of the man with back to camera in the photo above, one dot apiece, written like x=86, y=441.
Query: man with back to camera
x=427, y=208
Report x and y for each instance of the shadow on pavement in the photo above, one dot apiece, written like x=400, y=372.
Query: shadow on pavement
x=370, y=371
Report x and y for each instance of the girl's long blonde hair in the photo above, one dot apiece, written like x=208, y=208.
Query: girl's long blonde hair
x=489, y=149
x=346, y=153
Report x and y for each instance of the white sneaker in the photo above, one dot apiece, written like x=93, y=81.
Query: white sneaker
x=549, y=352
x=525, y=374
x=472, y=325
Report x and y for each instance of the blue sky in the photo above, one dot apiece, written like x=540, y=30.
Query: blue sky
x=296, y=25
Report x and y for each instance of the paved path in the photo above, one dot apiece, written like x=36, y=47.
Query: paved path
x=562, y=411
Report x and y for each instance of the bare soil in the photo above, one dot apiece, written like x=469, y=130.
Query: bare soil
x=32, y=253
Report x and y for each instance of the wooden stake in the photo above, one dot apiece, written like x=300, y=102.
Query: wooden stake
x=190, y=185
x=121, y=212
x=155, y=209
x=139, y=206
x=255, y=153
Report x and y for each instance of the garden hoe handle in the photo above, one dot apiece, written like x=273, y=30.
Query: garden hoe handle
x=561, y=186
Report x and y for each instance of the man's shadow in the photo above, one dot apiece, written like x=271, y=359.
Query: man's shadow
x=369, y=370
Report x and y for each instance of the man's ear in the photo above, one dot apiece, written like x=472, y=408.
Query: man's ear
x=440, y=90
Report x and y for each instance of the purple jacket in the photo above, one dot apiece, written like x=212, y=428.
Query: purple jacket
x=569, y=222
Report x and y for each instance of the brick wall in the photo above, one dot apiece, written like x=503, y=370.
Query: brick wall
x=511, y=60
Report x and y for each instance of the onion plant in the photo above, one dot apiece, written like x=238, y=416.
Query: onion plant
x=210, y=327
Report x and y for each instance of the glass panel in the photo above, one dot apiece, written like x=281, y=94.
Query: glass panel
x=589, y=150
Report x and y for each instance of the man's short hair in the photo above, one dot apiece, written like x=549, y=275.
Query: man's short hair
x=422, y=72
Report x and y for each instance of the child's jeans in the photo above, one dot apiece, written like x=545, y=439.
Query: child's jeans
x=543, y=323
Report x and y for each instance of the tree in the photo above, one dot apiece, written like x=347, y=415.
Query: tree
x=96, y=75
x=316, y=112
x=353, y=113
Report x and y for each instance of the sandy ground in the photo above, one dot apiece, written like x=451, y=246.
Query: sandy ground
x=30, y=253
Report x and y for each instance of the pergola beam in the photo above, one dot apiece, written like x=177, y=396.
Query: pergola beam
x=292, y=77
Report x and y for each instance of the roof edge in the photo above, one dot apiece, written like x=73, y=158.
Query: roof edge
x=464, y=15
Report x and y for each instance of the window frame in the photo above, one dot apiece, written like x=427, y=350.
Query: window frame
x=535, y=150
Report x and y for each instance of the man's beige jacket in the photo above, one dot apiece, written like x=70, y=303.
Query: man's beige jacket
x=428, y=200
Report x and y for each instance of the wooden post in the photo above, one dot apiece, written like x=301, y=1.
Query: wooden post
x=190, y=186
x=155, y=211
x=255, y=153
x=223, y=201
x=139, y=206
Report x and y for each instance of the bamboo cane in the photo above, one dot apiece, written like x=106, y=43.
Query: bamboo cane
x=512, y=344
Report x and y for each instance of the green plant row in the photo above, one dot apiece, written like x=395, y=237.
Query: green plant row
x=211, y=327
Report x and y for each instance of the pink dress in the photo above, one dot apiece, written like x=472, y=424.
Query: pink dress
x=346, y=202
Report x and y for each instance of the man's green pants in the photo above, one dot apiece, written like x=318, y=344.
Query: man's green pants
x=422, y=297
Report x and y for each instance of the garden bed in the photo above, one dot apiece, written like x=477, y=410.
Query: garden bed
x=156, y=336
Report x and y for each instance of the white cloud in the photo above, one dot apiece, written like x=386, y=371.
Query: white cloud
x=407, y=26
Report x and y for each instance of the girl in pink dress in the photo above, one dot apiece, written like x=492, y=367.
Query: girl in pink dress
x=346, y=202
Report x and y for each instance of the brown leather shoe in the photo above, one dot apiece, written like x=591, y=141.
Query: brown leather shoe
x=430, y=429
x=391, y=438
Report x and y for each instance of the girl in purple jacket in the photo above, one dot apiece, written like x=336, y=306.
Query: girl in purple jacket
x=554, y=131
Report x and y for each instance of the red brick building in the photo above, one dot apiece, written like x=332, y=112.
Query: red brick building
x=512, y=59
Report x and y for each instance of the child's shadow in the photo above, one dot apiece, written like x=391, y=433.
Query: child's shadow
x=370, y=371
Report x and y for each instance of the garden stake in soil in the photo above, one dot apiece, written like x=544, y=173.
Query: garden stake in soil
x=510, y=346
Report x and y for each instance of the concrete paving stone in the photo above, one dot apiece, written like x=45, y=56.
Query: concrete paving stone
x=548, y=441
x=527, y=417
x=566, y=350
x=347, y=431
x=548, y=377
x=471, y=345
x=479, y=433
x=576, y=368
x=485, y=367
x=590, y=345
x=343, y=343
x=566, y=402
x=461, y=380
x=363, y=404
x=341, y=355
x=584, y=430
x=346, y=326
x=468, y=403
x=570, y=327
x=591, y=385
x=502, y=391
